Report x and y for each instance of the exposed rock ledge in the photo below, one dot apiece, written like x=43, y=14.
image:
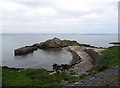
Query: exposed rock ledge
x=51, y=43
x=116, y=43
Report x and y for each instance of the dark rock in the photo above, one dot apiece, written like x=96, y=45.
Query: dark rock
x=69, y=43
x=24, y=50
x=86, y=45
x=95, y=57
x=10, y=68
x=55, y=66
x=62, y=67
x=51, y=43
x=57, y=43
x=115, y=43
x=37, y=45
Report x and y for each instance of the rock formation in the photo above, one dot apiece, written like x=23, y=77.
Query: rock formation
x=51, y=43
x=25, y=50
x=117, y=43
x=57, y=43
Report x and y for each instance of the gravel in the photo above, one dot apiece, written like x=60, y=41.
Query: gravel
x=100, y=79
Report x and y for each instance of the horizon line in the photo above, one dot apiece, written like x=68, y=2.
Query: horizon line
x=66, y=33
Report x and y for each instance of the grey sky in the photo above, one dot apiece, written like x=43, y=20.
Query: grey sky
x=59, y=16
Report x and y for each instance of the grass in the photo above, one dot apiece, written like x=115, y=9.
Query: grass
x=109, y=58
x=40, y=77
x=37, y=77
x=34, y=77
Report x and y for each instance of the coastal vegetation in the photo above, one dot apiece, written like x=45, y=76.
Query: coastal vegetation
x=38, y=77
x=109, y=58
x=34, y=77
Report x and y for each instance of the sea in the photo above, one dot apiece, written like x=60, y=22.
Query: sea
x=45, y=58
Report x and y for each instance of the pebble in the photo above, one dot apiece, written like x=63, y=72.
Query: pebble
x=97, y=80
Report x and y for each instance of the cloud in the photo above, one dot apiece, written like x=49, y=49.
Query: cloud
x=73, y=6
x=59, y=16
x=23, y=10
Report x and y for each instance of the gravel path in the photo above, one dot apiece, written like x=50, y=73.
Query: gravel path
x=105, y=77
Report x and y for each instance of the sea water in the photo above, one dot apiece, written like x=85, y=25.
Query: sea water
x=44, y=58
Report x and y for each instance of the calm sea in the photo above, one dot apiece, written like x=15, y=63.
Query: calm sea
x=41, y=58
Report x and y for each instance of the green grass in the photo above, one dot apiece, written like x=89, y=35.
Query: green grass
x=109, y=58
x=37, y=77
x=34, y=77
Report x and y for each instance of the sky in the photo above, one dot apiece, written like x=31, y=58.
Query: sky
x=59, y=16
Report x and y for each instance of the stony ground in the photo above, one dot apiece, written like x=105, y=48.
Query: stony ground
x=108, y=77
x=85, y=64
x=86, y=60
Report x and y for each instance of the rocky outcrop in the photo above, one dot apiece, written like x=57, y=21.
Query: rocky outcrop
x=25, y=50
x=10, y=68
x=117, y=43
x=57, y=43
x=51, y=43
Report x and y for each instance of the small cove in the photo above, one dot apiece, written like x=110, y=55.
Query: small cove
x=40, y=59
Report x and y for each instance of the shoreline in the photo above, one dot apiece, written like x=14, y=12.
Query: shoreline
x=84, y=59
x=83, y=55
x=77, y=58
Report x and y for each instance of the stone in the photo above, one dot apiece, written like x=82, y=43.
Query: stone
x=51, y=43
x=24, y=50
x=57, y=43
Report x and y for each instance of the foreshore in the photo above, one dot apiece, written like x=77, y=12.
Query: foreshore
x=84, y=58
